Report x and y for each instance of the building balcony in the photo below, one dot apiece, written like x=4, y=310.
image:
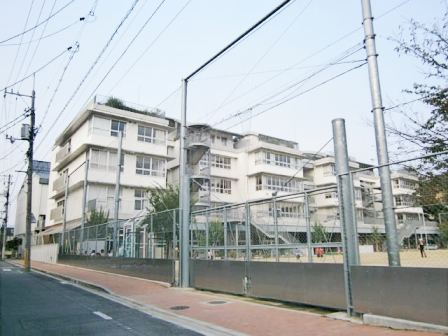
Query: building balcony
x=57, y=214
x=59, y=184
x=63, y=152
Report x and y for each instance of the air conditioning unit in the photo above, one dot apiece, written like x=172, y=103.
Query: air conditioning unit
x=25, y=131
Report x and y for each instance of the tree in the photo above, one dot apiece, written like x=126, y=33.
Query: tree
x=429, y=45
x=97, y=219
x=376, y=238
x=319, y=233
x=443, y=230
x=159, y=220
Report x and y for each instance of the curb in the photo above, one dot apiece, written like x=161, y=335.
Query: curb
x=182, y=321
x=396, y=323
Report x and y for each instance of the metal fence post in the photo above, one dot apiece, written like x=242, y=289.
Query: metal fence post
x=248, y=252
x=274, y=203
x=174, y=234
x=308, y=229
x=96, y=237
x=207, y=243
x=225, y=233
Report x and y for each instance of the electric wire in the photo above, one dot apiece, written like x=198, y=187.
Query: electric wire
x=317, y=52
x=13, y=122
x=61, y=78
x=292, y=86
x=150, y=46
x=268, y=50
x=92, y=66
x=127, y=48
x=295, y=96
x=46, y=36
x=39, y=24
x=29, y=44
x=38, y=69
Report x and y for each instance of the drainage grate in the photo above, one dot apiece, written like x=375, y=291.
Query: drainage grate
x=179, y=307
x=217, y=302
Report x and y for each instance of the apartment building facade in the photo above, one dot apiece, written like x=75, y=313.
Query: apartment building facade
x=223, y=167
x=85, y=159
x=40, y=180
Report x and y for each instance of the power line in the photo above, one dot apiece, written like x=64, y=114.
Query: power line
x=38, y=69
x=150, y=46
x=298, y=95
x=46, y=36
x=293, y=85
x=13, y=122
x=260, y=23
x=39, y=24
x=282, y=34
x=61, y=78
x=89, y=70
x=405, y=103
x=127, y=48
x=29, y=45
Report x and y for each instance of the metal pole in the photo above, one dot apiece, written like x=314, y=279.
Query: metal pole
x=277, y=256
x=184, y=192
x=308, y=228
x=424, y=228
x=393, y=251
x=64, y=220
x=30, y=153
x=5, y=220
x=174, y=234
x=225, y=233
x=207, y=237
x=346, y=204
x=346, y=201
x=117, y=193
x=84, y=201
x=248, y=254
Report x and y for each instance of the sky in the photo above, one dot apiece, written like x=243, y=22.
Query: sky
x=282, y=80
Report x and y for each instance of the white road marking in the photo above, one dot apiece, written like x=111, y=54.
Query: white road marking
x=64, y=282
x=104, y=316
x=6, y=269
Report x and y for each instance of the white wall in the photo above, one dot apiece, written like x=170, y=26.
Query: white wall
x=45, y=253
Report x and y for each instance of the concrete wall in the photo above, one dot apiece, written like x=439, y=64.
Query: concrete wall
x=45, y=253
x=151, y=269
x=417, y=294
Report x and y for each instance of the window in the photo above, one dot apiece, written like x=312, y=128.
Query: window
x=140, y=199
x=148, y=165
x=330, y=195
x=259, y=183
x=222, y=186
x=276, y=159
x=150, y=134
x=358, y=194
x=116, y=126
x=404, y=200
x=219, y=161
x=277, y=183
x=106, y=160
x=329, y=170
x=286, y=209
x=222, y=140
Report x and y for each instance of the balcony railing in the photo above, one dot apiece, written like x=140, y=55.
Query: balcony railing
x=63, y=152
x=56, y=214
x=58, y=184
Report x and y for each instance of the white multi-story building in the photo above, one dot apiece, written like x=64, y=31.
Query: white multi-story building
x=93, y=137
x=41, y=172
x=224, y=168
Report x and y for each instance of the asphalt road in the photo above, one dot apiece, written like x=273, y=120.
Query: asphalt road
x=34, y=304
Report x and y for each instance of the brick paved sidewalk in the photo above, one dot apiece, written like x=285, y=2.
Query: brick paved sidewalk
x=236, y=314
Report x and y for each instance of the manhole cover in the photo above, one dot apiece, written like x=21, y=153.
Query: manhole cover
x=217, y=302
x=179, y=307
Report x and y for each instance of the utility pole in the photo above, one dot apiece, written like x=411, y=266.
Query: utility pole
x=393, y=251
x=5, y=221
x=84, y=201
x=117, y=193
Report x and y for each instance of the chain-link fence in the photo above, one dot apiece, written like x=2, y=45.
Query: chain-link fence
x=420, y=206
x=153, y=235
x=283, y=228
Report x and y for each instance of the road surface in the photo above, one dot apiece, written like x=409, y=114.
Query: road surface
x=34, y=304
